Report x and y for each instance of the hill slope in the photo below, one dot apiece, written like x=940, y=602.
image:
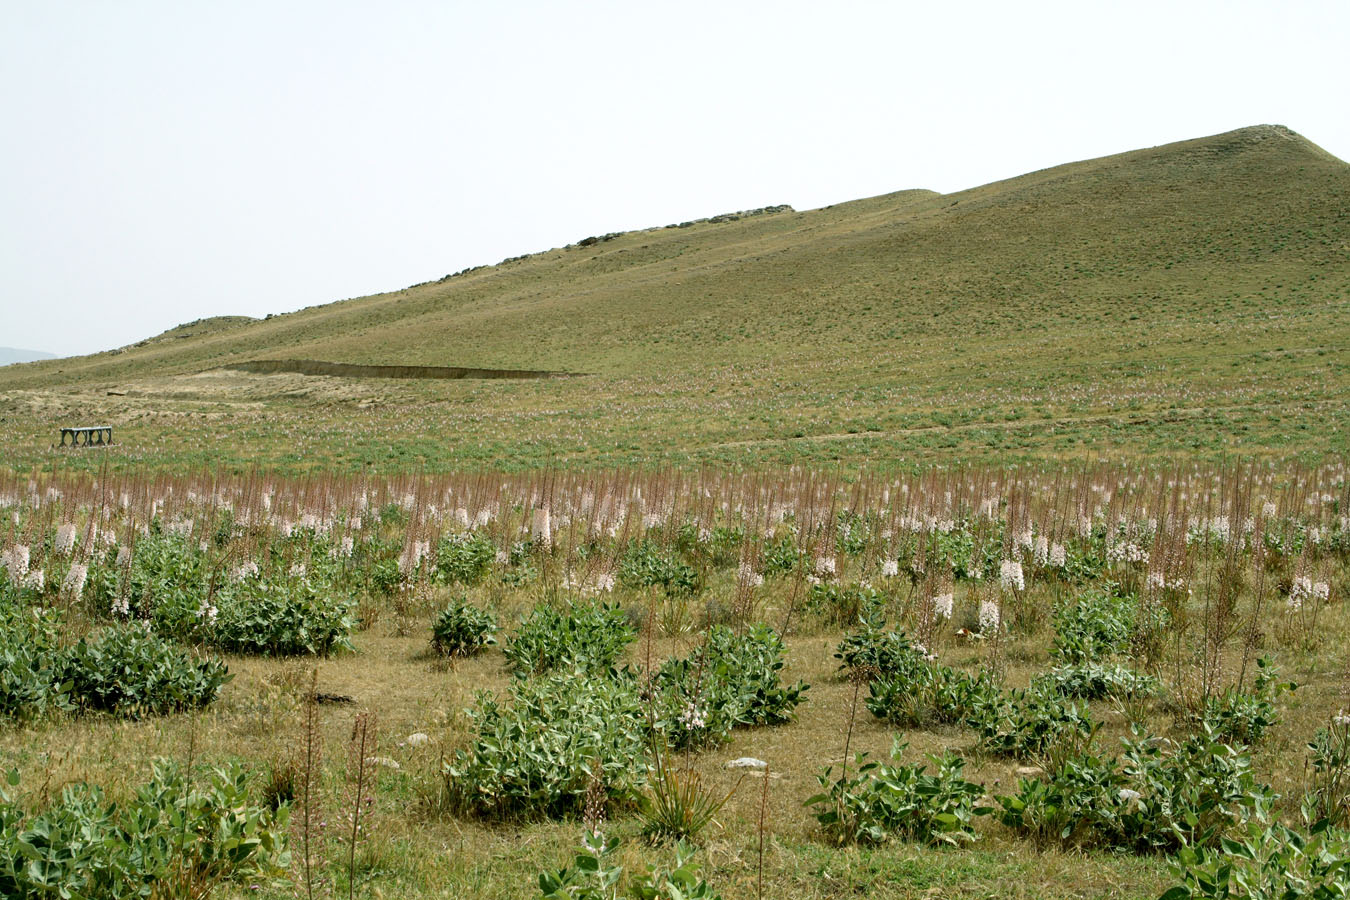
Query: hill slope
x=1153, y=301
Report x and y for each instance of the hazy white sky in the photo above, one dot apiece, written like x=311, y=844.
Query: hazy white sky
x=165, y=161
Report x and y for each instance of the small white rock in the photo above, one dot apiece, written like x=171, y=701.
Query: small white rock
x=384, y=761
x=417, y=739
x=747, y=762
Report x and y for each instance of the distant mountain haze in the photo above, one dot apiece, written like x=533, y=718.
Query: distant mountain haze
x=15, y=355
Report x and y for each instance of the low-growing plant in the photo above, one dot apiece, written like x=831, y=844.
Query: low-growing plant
x=131, y=671
x=1158, y=796
x=584, y=636
x=31, y=676
x=1093, y=627
x=1266, y=861
x=644, y=565
x=840, y=605
x=1328, y=773
x=464, y=558
x=885, y=801
x=537, y=754
x=287, y=616
x=593, y=876
x=1244, y=717
x=730, y=680
x=1096, y=681
x=932, y=695
x=676, y=805
x=1031, y=724
x=180, y=836
x=462, y=629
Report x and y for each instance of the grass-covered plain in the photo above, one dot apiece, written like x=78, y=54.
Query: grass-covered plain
x=1162, y=596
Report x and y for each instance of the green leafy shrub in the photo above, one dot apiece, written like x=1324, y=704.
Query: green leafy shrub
x=644, y=565
x=1095, y=681
x=538, y=754
x=1244, y=717
x=840, y=605
x=289, y=616
x=932, y=695
x=1158, y=796
x=462, y=629
x=31, y=682
x=782, y=557
x=1266, y=862
x=1094, y=627
x=897, y=801
x=130, y=671
x=593, y=876
x=1030, y=724
x=464, y=558
x=582, y=636
x=1328, y=795
x=730, y=680
x=880, y=652
x=720, y=547
x=177, y=837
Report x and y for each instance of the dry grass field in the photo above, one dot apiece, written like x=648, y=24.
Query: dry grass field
x=1055, y=465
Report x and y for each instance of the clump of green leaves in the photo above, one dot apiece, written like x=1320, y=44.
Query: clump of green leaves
x=883, y=801
x=842, y=605
x=128, y=670
x=539, y=753
x=644, y=565
x=180, y=836
x=283, y=616
x=1095, y=681
x=31, y=677
x=1244, y=717
x=1095, y=626
x=1158, y=796
x=732, y=679
x=1266, y=861
x=906, y=686
x=462, y=629
x=464, y=558
x=583, y=636
x=1034, y=723
x=594, y=876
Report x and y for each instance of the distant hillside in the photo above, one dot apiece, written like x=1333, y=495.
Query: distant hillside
x=14, y=355
x=1190, y=296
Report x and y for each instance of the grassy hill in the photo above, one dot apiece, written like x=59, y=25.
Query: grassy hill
x=1188, y=298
